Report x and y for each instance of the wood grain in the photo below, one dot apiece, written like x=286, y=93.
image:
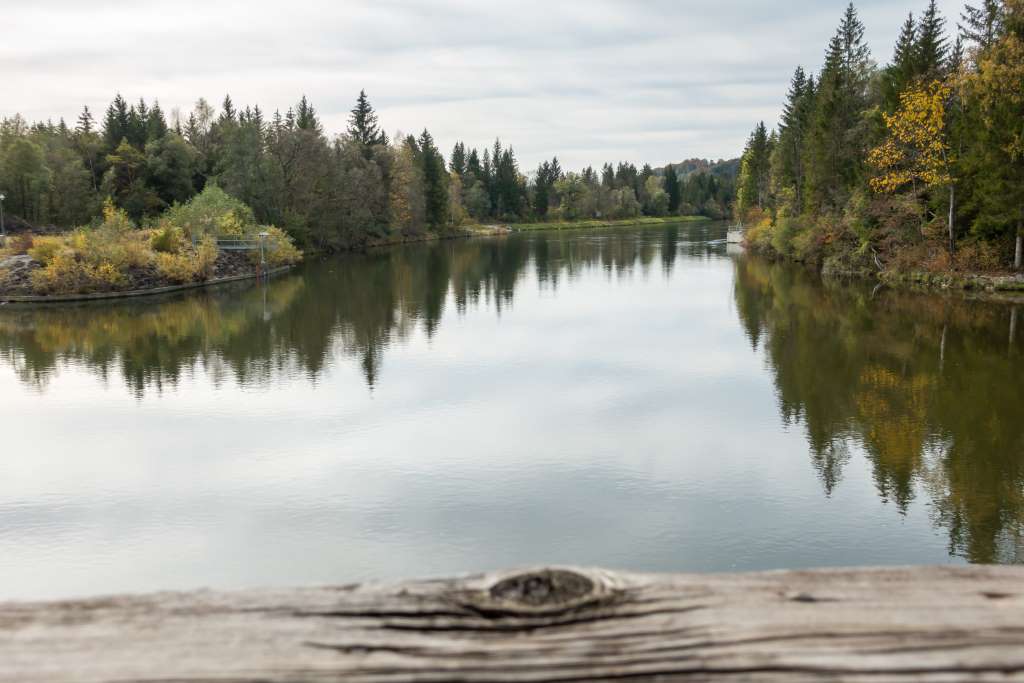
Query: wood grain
x=920, y=624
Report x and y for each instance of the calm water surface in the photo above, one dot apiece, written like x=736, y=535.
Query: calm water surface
x=637, y=398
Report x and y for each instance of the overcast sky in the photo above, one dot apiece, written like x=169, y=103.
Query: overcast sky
x=588, y=80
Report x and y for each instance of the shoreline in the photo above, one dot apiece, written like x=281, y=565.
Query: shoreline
x=153, y=291
x=1004, y=287
x=596, y=223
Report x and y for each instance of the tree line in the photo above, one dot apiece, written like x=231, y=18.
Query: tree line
x=330, y=192
x=918, y=162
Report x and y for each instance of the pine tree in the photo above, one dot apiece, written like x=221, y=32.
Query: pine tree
x=755, y=171
x=982, y=25
x=542, y=190
x=363, y=125
x=473, y=166
x=256, y=119
x=306, y=117
x=458, y=162
x=156, y=124
x=789, y=171
x=138, y=117
x=228, y=112
x=85, y=121
x=608, y=176
x=903, y=69
x=932, y=44
x=434, y=181
x=837, y=140
x=672, y=188
x=115, y=124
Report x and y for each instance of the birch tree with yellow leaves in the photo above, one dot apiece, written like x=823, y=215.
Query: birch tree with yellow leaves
x=919, y=148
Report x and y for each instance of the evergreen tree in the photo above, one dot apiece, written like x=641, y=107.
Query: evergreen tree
x=156, y=124
x=983, y=25
x=434, y=181
x=542, y=190
x=363, y=125
x=138, y=117
x=556, y=170
x=932, y=47
x=608, y=176
x=115, y=124
x=837, y=139
x=473, y=166
x=458, y=162
x=903, y=69
x=228, y=112
x=673, y=189
x=306, y=117
x=755, y=174
x=789, y=171
x=85, y=121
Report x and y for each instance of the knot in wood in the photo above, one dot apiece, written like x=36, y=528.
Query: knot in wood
x=546, y=588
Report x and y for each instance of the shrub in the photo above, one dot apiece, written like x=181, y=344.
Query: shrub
x=281, y=251
x=759, y=237
x=66, y=274
x=19, y=244
x=212, y=212
x=189, y=265
x=981, y=256
x=176, y=268
x=44, y=249
x=167, y=240
x=206, y=257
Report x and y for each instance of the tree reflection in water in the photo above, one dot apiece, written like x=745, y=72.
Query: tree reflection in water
x=930, y=388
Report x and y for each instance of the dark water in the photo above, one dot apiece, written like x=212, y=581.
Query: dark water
x=634, y=398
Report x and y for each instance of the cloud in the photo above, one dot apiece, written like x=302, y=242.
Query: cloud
x=650, y=81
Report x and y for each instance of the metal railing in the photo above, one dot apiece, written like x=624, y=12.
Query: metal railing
x=235, y=244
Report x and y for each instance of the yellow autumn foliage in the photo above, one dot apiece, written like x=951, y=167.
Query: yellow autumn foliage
x=916, y=148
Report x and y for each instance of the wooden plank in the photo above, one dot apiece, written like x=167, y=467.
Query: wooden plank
x=921, y=624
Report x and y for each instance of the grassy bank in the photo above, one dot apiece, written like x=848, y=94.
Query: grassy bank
x=592, y=223
x=116, y=256
x=899, y=251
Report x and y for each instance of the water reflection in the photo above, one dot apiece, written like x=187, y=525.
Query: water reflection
x=929, y=387
x=636, y=398
x=351, y=307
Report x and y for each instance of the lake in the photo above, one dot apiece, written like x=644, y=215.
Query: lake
x=639, y=398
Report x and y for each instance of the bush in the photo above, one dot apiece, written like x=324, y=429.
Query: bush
x=212, y=212
x=115, y=255
x=66, y=274
x=176, y=268
x=168, y=240
x=44, y=249
x=19, y=244
x=189, y=265
x=281, y=251
x=206, y=257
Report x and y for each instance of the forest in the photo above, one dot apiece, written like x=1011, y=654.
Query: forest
x=346, y=191
x=917, y=165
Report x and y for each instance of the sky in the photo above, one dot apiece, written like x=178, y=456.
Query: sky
x=648, y=81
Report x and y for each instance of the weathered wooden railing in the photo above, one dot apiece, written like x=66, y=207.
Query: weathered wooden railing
x=924, y=624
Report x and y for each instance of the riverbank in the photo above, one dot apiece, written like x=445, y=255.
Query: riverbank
x=593, y=223
x=921, y=265
x=132, y=294
x=948, y=623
